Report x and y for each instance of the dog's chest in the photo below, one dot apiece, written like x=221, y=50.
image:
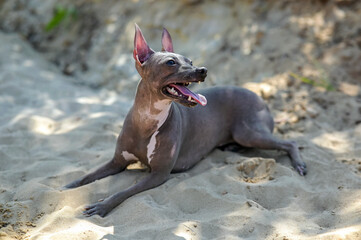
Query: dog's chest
x=153, y=117
x=136, y=147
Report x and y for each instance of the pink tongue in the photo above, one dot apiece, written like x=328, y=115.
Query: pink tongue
x=185, y=91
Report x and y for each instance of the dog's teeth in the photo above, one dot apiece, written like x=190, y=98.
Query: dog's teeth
x=189, y=98
x=199, y=82
x=172, y=91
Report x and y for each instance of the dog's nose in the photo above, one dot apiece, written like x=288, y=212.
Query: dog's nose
x=202, y=70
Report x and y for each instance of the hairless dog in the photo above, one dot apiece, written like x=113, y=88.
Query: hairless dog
x=170, y=128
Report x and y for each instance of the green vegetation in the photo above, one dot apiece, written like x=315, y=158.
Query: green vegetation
x=60, y=15
x=321, y=82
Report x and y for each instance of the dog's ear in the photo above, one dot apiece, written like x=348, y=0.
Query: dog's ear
x=141, y=51
x=167, y=44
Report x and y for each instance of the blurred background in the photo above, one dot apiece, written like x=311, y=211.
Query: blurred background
x=303, y=53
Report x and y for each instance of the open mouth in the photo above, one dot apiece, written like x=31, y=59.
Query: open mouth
x=181, y=92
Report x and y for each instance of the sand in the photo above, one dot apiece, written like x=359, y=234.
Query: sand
x=53, y=132
x=55, y=128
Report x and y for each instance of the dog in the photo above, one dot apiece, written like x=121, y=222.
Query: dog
x=170, y=128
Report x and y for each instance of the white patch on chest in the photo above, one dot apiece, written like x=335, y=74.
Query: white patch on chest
x=129, y=156
x=163, y=107
x=172, y=152
x=151, y=146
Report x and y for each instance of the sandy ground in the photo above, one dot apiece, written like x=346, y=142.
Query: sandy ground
x=54, y=129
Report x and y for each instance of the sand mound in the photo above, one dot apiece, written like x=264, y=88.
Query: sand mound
x=257, y=169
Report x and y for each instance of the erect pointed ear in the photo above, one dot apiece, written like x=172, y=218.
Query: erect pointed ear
x=167, y=44
x=141, y=51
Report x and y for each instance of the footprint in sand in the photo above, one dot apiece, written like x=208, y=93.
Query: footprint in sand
x=257, y=169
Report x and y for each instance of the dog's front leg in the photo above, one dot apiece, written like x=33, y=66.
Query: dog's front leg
x=104, y=207
x=161, y=164
x=116, y=165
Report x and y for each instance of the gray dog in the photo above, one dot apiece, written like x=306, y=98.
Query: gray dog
x=168, y=130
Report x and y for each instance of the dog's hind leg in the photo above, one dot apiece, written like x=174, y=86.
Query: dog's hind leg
x=265, y=140
x=259, y=135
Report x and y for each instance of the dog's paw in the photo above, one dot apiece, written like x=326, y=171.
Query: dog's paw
x=301, y=168
x=99, y=208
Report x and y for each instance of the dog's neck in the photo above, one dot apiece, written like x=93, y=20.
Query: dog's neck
x=149, y=110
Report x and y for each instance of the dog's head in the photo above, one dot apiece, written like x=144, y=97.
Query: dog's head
x=167, y=73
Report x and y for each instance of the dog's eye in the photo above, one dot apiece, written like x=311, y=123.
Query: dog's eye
x=191, y=63
x=170, y=63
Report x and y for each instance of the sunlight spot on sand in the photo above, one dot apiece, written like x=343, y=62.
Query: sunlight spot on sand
x=28, y=63
x=112, y=23
x=188, y=230
x=48, y=75
x=217, y=36
x=324, y=29
x=342, y=233
x=108, y=100
x=111, y=28
x=45, y=129
x=37, y=124
x=123, y=59
x=88, y=100
x=98, y=115
x=17, y=47
x=69, y=125
x=338, y=142
x=85, y=228
x=287, y=228
x=351, y=207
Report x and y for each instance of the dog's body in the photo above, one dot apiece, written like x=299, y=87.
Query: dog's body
x=169, y=137
x=189, y=134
